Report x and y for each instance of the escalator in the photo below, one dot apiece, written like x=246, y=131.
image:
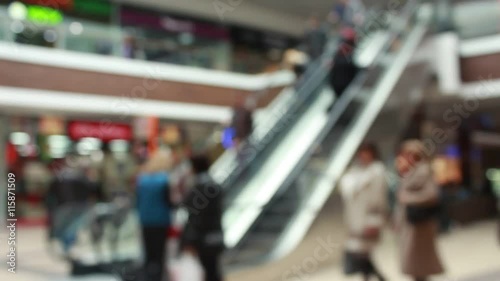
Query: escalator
x=278, y=141
x=278, y=226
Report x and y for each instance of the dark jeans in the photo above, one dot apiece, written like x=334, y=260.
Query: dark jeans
x=361, y=263
x=154, y=239
x=448, y=197
x=211, y=265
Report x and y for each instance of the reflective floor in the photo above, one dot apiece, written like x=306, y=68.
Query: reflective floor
x=470, y=253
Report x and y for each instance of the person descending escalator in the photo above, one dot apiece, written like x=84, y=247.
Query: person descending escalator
x=347, y=13
x=242, y=122
x=315, y=38
x=344, y=68
x=364, y=193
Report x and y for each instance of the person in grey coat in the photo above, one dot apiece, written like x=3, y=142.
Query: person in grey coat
x=364, y=193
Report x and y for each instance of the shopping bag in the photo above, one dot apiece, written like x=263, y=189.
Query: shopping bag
x=186, y=268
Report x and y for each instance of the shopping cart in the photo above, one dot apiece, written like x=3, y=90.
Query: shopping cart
x=103, y=238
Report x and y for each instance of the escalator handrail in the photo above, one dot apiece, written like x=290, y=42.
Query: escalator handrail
x=313, y=77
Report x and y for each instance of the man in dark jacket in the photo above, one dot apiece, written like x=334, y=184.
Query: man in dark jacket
x=315, y=39
x=344, y=69
x=203, y=232
x=68, y=197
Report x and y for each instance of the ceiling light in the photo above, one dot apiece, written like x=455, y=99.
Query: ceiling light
x=76, y=28
x=19, y=138
x=17, y=11
x=58, y=141
x=186, y=38
x=17, y=27
x=50, y=36
x=118, y=145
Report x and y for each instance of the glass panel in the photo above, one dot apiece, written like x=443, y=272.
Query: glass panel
x=476, y=19
x=106, y=39
x=4, y=25
x=88, y=37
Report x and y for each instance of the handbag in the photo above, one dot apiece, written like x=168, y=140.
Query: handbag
x=418, y=214
x=371, y=233
x=187, y=267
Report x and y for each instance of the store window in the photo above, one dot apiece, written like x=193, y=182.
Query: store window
x=158, y=37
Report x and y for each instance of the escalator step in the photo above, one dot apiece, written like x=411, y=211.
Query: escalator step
x=271, y=223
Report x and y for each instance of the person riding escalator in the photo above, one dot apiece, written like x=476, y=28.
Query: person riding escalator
x=344, y=68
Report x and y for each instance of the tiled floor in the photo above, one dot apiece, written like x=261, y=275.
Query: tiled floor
x=471, y=253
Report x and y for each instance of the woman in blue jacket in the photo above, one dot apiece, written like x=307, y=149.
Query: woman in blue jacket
x=153, y=204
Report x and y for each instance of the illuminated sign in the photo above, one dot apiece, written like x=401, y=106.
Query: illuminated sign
x=44, y=15
x=53, y=4
x=96, y=8
x=100, y=130
x=92, y=7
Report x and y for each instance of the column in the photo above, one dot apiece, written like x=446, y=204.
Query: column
x=3, y=171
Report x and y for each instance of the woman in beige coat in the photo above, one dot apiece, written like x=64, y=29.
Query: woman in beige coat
x=364, y=193
x=418, y=249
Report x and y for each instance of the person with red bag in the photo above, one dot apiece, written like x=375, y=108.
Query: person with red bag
x=364, y=193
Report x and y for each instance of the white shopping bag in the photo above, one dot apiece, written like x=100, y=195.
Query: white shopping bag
x=186, y=268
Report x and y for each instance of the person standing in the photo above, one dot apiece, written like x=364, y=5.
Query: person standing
x=417, y=212
x=153, y=205
x=364, y=193
x=117, y=174
x=202, y=235
x=69, y=197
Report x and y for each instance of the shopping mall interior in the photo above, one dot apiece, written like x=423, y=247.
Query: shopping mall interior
x=319, y=124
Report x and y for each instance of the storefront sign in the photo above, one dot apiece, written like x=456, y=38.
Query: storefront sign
x=132, y=17
x=54, y=4
x=259, y=39
x=92, y=7
x=174, y=25
x=104, y=131
x=44, y=15
x=89, y=9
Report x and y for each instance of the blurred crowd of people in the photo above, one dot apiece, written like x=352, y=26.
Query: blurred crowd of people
x=165, y=182
x=415, y=218
x=421, y=200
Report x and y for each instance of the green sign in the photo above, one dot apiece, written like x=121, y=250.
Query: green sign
x=44, y=15
x=92, y=7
